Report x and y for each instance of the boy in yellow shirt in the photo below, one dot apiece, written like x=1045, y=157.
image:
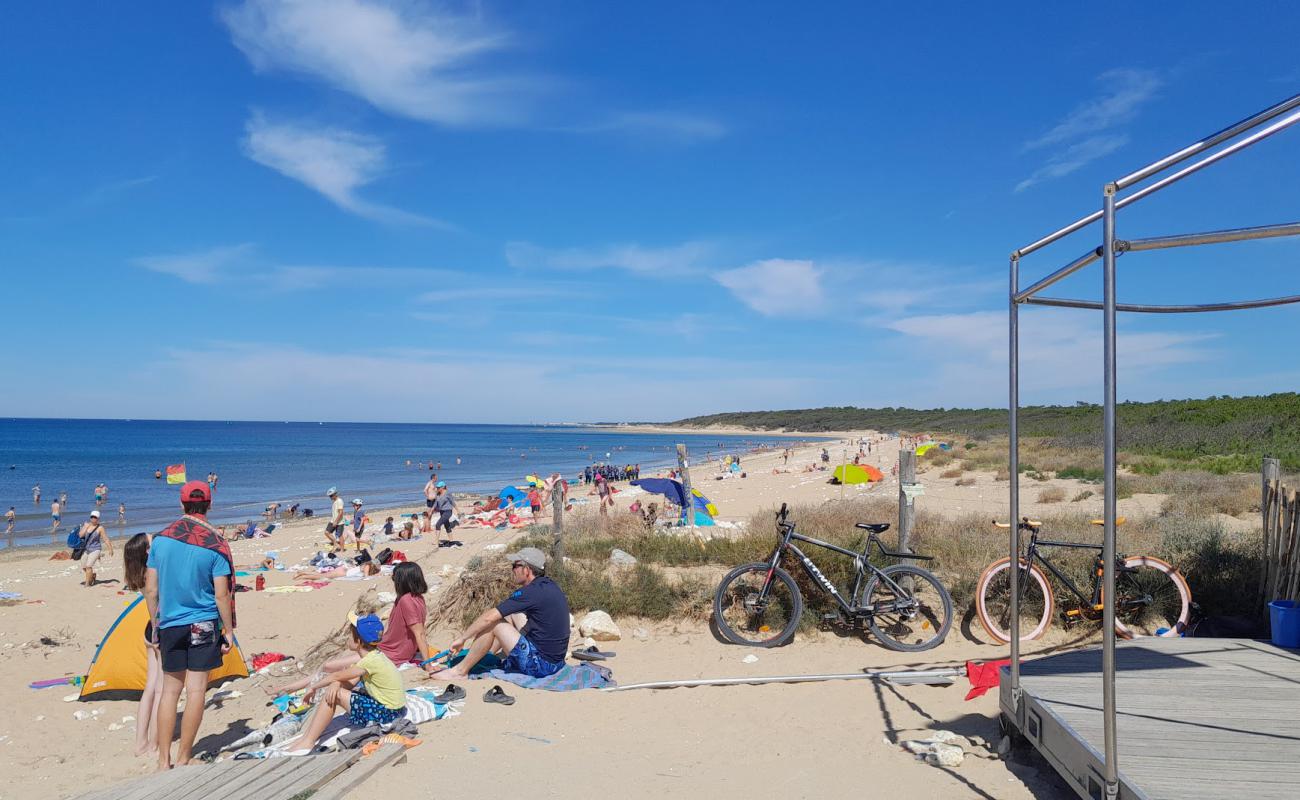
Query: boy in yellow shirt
x=371, y=691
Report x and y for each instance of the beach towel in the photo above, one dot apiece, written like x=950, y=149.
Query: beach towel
x=984, y=675
x=570, y=678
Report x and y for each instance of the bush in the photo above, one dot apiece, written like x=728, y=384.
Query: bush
x=1085, y=474
x=965, y=482
x=1052, y=495
x=951, y=473
x=1002, y=475
x=1084, y=495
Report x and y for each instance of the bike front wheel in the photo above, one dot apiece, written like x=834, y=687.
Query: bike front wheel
x=911, y=610
x=745, y=616
x=993, y=601
x=1151, y=599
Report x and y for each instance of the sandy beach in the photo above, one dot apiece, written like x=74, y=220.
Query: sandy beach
x=762, y=741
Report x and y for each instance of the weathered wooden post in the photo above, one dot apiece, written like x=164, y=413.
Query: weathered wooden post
x=557, y=520
x=684, y=467
x=908, y=489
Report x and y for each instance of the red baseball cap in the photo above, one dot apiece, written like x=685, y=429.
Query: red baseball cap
x=196, y=491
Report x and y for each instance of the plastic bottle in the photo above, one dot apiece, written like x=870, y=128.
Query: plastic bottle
x=260, y=583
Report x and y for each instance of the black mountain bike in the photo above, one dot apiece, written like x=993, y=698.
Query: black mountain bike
x=903, y=606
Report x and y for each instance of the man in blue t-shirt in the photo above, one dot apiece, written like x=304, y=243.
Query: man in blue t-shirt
x=187, y=591
x=529, y=631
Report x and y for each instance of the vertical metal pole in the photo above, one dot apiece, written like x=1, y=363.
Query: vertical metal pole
x=1013, y=459
x=1108, y=541
x=684, y=466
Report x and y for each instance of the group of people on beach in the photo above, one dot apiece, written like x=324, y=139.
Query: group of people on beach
x=187, y=577
x=611, y=472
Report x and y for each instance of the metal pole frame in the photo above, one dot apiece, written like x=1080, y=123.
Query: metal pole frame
x=1111, y=248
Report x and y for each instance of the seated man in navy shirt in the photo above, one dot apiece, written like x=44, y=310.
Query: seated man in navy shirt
x=529, y=631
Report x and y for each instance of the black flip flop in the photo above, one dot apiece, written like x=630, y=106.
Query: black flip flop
x=451, y=693
x=495, y=695
x=591, y=654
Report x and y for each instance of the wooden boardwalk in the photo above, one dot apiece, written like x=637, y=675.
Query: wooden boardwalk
x=330, y=776
x=1197, y=718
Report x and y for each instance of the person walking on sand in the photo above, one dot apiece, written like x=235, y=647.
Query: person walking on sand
x=96, y=538
x=334, y=528
x=529, y=630
x=445, y=505
x=358, y=521
x=189, y=594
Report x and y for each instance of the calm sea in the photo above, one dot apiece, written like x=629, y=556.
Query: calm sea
x=262, y=462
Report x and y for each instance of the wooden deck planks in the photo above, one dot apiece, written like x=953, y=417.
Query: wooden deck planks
x=1195, y=715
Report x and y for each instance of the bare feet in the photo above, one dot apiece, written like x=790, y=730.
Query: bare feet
x=449, y=674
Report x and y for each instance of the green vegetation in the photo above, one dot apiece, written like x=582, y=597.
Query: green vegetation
x=1217, y=434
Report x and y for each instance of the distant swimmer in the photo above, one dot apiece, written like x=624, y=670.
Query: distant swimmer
x=54, y=514
x=10, y=516
x=457, y=462
x=121, y=512
x=36, y=495
x=157, y=474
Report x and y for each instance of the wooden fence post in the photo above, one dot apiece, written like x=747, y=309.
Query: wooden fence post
x=684, y=466
x=557, y=521
x=906, y=506
x=1270, y=472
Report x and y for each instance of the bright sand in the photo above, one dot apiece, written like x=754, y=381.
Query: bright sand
x=828, y=739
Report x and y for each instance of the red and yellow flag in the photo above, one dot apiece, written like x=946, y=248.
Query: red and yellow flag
x=176, y=473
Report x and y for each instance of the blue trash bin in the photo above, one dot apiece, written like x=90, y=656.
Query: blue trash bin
x=1284, y=616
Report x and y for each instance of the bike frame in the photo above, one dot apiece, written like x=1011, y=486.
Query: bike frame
x=860, y=561
x=1033, y=554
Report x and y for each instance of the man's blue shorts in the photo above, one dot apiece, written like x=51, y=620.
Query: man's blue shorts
x=525, y=658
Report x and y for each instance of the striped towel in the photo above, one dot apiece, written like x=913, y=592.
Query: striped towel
x=570, y=678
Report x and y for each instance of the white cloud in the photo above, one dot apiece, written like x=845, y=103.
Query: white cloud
x=654, y=261
x=776, y=286
x=334, y=162
x=661, y=126
x=1079, y=137
x=1073, y=158
x=204, y=266
x=405, y=58
x=965, y=354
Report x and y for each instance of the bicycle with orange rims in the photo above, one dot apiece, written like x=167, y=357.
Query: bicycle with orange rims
x=1151, y=597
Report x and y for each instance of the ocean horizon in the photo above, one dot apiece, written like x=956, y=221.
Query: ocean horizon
x=262, y=462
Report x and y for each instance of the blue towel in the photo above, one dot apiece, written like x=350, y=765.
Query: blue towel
x=570, y=678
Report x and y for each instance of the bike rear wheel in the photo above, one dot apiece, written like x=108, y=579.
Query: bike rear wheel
x=1150, y=596
x=743, y=618
x=916, y=616
x=993, y=601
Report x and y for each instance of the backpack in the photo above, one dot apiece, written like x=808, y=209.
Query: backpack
x=74, y=537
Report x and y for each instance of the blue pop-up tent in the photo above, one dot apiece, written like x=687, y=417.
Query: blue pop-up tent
x=513, y=495
x=676, y=494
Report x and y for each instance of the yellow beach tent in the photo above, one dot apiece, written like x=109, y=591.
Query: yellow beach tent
x=119, y=669
x=852, y=473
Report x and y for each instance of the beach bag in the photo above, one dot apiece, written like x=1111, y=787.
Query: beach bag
x=385, y=555
x=74, y=537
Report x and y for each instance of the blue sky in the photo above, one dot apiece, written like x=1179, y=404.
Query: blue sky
x=364, y=210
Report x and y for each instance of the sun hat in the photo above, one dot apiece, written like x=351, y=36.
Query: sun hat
x=332, y=491
x=369, y=629
x=441, y=485
x=95, y=514
x=356, y=501
x=196, y=492
x=529, y=555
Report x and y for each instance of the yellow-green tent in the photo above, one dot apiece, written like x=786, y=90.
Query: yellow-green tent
x=853, y=473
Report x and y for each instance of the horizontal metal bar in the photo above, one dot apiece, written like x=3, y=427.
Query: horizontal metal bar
x=1212, y=237
x=1062, y=273
x=951, y=672
x=1235, y=147
x=1210, y=141
x=1064, y=302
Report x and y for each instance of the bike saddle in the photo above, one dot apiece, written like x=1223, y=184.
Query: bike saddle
x=874, y=527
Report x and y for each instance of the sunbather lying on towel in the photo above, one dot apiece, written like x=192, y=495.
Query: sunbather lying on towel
x=529, y=631
x=364, y=571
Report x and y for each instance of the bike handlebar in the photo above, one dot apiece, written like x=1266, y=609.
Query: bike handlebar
x=1025, y=522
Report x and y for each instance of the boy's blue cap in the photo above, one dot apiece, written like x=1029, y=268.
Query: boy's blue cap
x=369, y=628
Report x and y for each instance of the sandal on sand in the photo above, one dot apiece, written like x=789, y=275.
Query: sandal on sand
x=591, y=654
x=495, y=695
x=451, y=693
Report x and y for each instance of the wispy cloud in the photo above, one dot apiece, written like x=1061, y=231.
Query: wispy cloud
x=1087, y=132
x=1073, y=158
x=408, y=59
x=776, y=286
x=670, y=127
x=241, y=263
x=204, y=266
x=107, y=192
x=334, y=162
x=685, y=258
